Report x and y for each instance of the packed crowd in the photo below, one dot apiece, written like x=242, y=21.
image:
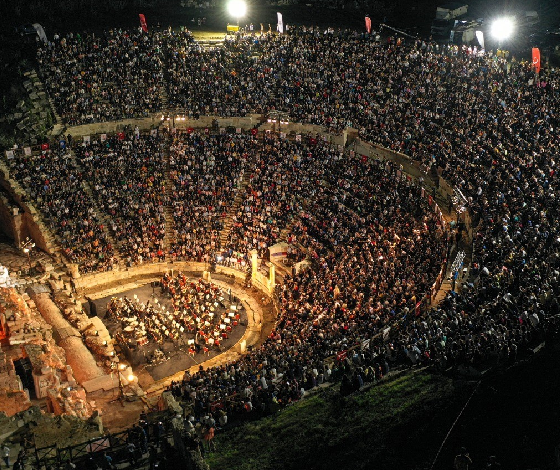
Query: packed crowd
x=277, y=180
x=127, y=177
x=92, y=78
x=205, y=172
x=54, y=183
x=486, y=124
x=328, y=309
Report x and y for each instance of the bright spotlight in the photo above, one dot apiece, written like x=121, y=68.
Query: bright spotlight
x=237, y=8
x=502, y=28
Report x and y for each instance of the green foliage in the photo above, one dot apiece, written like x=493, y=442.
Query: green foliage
x=329, y=431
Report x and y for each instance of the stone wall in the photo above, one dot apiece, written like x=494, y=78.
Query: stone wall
x=411, y=167
x=111, y=127
x=169, y=120
x=96, y=282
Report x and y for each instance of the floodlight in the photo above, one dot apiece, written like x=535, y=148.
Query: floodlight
x=237, y=8
x=502, y=28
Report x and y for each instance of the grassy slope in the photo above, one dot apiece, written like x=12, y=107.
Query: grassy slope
x=400, y=424
x=380, y=427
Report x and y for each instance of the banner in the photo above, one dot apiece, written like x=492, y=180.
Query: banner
x=143, y=23
x=368, y=24
x=537, y=59
x=27, y=151
x=279, y=250
x=40, y=32
x=480, y=37
x=280, y=26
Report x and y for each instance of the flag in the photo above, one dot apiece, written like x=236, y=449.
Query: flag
x=417, y=308
x=342, y=355
x=365, y=343
x=143, y=23
x=368, y=24
x=537, y=59
x=121, y=135
x=280, y=26
x=44, y=146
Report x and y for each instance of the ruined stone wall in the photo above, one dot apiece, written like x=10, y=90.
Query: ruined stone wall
x=78, y=356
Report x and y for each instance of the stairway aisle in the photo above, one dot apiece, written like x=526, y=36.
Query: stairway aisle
x=228, y=220
x=170, y=232
x=103, y=218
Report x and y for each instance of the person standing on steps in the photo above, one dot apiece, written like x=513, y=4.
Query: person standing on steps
x=462, y=460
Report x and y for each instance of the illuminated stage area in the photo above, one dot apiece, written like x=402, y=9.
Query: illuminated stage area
x=172, y=325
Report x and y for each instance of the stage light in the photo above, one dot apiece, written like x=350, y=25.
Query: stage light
x=237, y=8
x=130, y=378
x=502, y=28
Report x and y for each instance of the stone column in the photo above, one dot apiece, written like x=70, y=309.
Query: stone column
x=74, y=270
x=18, y=225
x=272, y=278
x=254, y=263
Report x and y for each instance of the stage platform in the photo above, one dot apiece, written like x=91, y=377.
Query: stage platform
x=174, y=357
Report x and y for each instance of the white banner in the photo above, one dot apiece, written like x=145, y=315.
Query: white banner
x=298, y=137
x=480, y=37
x=87, y=139
x=103, y=137
x=9, y=154
x=27, y=151
x=280, y=26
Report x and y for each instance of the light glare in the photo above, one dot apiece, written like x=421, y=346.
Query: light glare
x=502, y=28
x=237, y=8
